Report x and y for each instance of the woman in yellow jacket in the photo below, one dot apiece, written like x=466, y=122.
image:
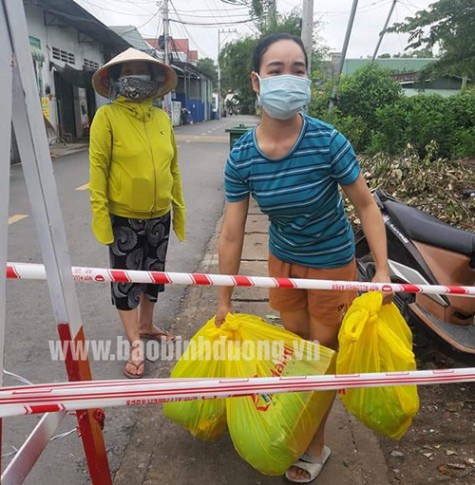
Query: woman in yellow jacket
x=135, y=187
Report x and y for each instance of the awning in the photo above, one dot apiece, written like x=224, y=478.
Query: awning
x=78, y=77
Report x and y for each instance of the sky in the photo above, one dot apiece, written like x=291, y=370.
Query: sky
x=219, y=15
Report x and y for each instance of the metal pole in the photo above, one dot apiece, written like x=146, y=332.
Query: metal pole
x=343, y=54
x=5, y=144
x=307, y=30
x=221, y=31
x=381, y=34
x=167, y=99
x=218, y=108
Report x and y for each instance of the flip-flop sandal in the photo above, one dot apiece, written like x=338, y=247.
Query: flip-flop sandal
x=162, y=336
x=313, y=466
x=137, y=366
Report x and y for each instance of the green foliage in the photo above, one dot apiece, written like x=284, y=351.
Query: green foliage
x=419, y=120
x=374, y=115
x=359, y=98
x=464, y=143
x=209, y=68
x=236, y=66
x=449, y=23
x=361, y=94
x=390, y=134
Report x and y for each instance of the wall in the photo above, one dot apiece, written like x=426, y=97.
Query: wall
x=67, y=39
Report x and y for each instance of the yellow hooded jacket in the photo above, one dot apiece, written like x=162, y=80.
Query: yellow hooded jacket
x=134, y=170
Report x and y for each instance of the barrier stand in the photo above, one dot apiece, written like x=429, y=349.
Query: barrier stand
x=5, y=140
x=17, y=83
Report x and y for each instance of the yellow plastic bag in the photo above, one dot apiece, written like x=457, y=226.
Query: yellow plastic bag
x=205, y=419
x=271, y=431
x=375, y=338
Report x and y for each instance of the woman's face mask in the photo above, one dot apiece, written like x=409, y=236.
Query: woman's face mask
x=283, y=96
x=136, y=86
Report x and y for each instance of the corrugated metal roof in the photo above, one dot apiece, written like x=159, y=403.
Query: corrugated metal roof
x=73, y=14
x=407, y=64
x=130, y=34
x=409, y=92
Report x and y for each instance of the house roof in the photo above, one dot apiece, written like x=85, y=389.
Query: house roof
x=70, y=13
x=403, y=64
x=180, y=45
x=190, y=69
x=131, y=35
x=177, y=45
x=409, y=92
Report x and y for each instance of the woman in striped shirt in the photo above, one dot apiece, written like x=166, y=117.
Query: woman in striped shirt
x=293, y=166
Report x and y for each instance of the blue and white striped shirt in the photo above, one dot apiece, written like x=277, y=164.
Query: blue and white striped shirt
x=299, y=193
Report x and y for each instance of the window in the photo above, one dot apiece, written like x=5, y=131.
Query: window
x=90, y=65
x=64, y=56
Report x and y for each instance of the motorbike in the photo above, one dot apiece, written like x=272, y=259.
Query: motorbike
x=426, y=251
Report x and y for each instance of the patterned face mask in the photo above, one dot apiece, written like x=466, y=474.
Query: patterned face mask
x=136, y=87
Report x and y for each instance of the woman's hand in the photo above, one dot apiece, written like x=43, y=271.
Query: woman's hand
x=382, y=276
x=222, y=313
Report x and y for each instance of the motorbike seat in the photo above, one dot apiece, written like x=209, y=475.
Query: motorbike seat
x=424, y=228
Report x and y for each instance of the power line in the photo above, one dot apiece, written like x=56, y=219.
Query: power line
x=209, y=10
x=111, y=10
x=186, y=30
x=215, y=24
x=213, y=16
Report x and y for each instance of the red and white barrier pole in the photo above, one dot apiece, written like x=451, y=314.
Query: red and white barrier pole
x=16, y=401
x=37, y=272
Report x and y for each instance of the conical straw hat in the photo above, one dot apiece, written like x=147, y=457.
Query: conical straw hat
x=166, y=75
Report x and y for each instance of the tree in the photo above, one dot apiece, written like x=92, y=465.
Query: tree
x=236, y=66
x=209, y=69
x=360, y=96
x=450, y=24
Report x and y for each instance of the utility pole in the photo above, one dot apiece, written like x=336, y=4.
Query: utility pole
x=381, y=34
x=343, y=54
x=167, y=99
x=307, y=30
x=271, y=12
x=221, y=31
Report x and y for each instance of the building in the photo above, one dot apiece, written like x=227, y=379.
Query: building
x=179, y=49
x=131, y=35
x=411, y=72
x=67, y=45
x=194, y=89
x=399, y=65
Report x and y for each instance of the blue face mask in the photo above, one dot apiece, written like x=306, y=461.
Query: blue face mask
x=283, y=96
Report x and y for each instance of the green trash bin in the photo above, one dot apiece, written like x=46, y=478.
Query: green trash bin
x=236, y=132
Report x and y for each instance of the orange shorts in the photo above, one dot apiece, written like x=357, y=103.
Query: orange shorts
x=328, y=306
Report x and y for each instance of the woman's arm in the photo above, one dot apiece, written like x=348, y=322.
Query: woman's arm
x=100, y=154
x=178, y=201
x=230, y=245
x=373, y=228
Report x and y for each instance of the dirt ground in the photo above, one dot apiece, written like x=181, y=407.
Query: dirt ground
x=440, y=445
